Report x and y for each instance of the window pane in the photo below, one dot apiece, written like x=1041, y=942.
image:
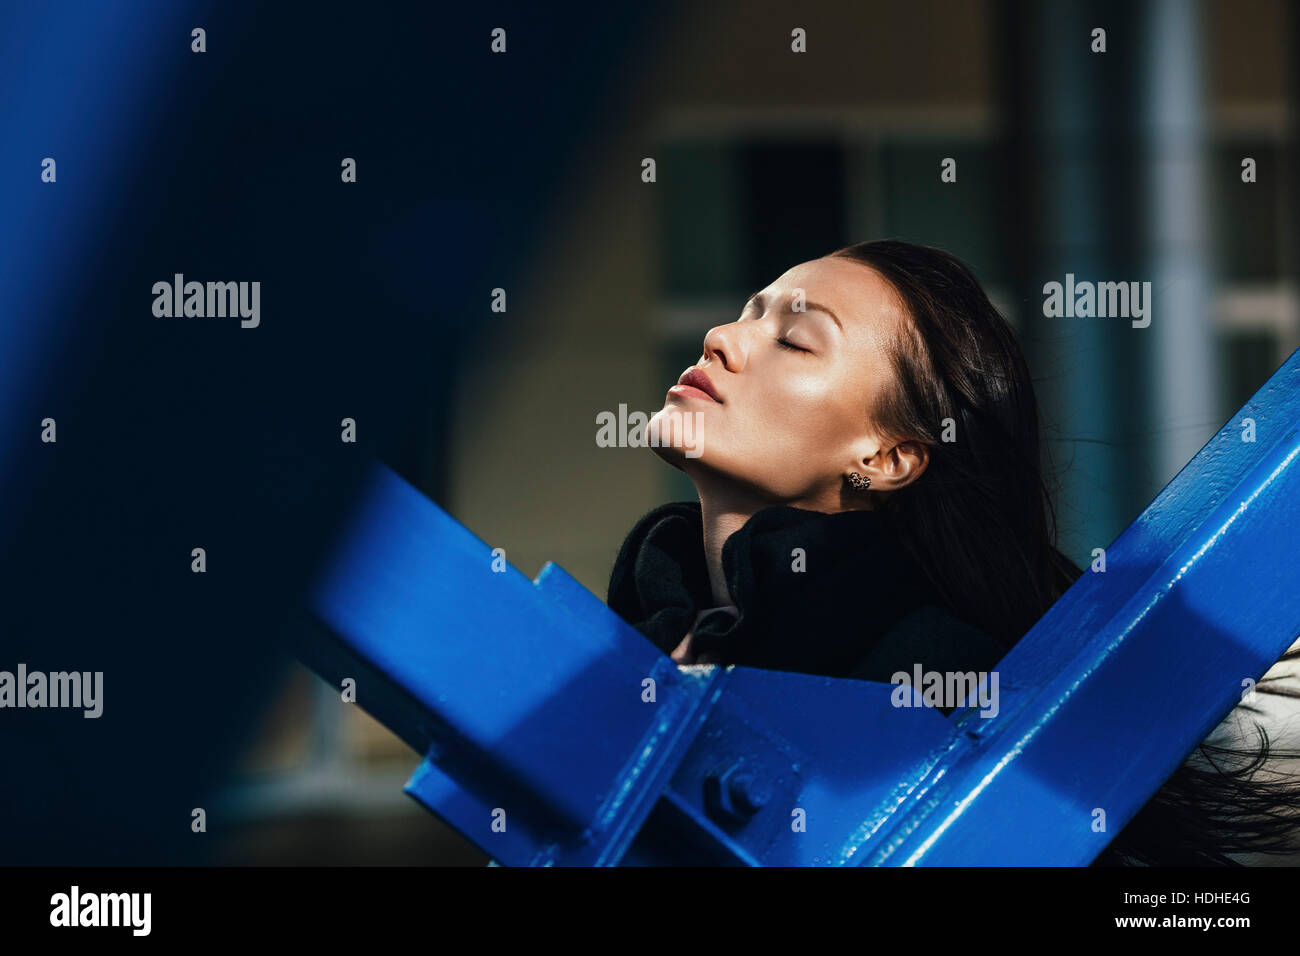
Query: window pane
x=793, y=206
x=699, y=219
x=957, y=217
x=1245, y=214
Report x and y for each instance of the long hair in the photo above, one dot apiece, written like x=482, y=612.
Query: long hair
x=983, y=529
x=981, y=518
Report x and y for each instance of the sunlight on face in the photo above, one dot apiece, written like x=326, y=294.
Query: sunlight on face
x=784, y=400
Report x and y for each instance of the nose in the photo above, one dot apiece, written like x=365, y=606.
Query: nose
x=726, y=344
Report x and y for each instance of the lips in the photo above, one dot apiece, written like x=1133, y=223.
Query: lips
x=694, y=377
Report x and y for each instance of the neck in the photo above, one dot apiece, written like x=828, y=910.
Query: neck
x=725, y=509
x=721, y=521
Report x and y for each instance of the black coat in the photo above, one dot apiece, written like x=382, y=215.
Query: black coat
x=859, y=608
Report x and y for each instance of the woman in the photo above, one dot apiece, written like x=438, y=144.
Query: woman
x=872, y=496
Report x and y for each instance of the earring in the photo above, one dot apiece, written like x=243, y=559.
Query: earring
x=858, y=482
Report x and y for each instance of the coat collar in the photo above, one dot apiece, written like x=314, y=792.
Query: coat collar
x=814, y=591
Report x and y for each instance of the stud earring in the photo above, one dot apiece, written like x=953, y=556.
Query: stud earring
x=858, y=482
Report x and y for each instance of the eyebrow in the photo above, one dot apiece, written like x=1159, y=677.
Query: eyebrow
x=757, y=298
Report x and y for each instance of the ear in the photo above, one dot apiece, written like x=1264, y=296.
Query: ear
x=895, y=466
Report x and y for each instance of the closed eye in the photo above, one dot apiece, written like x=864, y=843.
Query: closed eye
x=786, y=344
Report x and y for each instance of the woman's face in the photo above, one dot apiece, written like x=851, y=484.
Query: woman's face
x=792, y=380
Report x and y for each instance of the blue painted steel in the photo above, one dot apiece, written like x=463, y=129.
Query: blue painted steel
x=528, y=695
x=1132, y=668
x=540, y=709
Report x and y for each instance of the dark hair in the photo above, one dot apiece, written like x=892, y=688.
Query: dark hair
x=981, y=515
x=983, y=529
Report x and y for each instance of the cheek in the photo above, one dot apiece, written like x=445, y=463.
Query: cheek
x=790, y=436
x=812, y=408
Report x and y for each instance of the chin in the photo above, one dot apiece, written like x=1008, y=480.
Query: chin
x=676, y=434
x=675, y=456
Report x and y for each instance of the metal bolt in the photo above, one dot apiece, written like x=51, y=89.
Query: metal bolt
x=748, y=793
x=737, y=791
